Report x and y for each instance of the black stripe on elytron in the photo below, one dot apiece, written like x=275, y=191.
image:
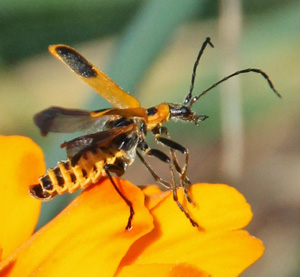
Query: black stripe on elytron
x=76, y=62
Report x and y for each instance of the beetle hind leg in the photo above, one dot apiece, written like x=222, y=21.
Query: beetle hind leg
x=119, y=170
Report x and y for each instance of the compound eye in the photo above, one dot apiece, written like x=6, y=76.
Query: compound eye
x=184, y=110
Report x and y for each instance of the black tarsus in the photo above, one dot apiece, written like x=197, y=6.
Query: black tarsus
x=205, y=43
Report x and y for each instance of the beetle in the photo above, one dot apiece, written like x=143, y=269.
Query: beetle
x=115, y=136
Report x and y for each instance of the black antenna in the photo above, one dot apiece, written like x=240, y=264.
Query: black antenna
x=235, y=74
x=189, y=96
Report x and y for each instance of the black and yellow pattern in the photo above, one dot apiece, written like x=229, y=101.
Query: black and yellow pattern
x=88, y=164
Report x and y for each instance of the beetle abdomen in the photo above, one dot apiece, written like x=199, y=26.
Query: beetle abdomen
x=67, y=178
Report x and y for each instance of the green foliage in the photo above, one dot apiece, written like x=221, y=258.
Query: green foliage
x=28, y=27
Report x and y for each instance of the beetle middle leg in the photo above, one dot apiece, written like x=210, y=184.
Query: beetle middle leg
x=171, y=185
x=185, y=181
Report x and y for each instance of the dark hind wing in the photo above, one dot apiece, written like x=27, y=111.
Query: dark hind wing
x=61, y=120
x=76, y=147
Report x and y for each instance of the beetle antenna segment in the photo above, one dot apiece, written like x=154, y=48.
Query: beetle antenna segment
x=189, y=96
x=255, y=70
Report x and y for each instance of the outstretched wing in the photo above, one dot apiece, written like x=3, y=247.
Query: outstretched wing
x=61, y=120
x=94, y=77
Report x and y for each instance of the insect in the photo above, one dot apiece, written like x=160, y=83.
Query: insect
x=116, y=135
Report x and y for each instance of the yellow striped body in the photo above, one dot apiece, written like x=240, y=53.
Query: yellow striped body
x=67, y=178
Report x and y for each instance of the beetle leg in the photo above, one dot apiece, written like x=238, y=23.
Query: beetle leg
x=171, y=185
x=153, y=173
x=185, y=181
x=119, y=170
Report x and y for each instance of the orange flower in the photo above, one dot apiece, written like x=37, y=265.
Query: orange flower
x=89, y=236
x=20, y=165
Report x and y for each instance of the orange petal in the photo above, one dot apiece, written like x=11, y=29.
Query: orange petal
x=153, y=196
x=213, y=247
x=166, y=270
x=20, y=166
x=217, y=207
x=88, y=238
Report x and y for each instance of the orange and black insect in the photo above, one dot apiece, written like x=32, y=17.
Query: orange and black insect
x=115, y=136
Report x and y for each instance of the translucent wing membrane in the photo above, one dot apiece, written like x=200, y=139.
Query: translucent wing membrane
x=76, y=147
x=61, y=120
x=94, y=77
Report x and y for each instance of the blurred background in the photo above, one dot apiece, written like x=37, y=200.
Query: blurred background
x=252, y=138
